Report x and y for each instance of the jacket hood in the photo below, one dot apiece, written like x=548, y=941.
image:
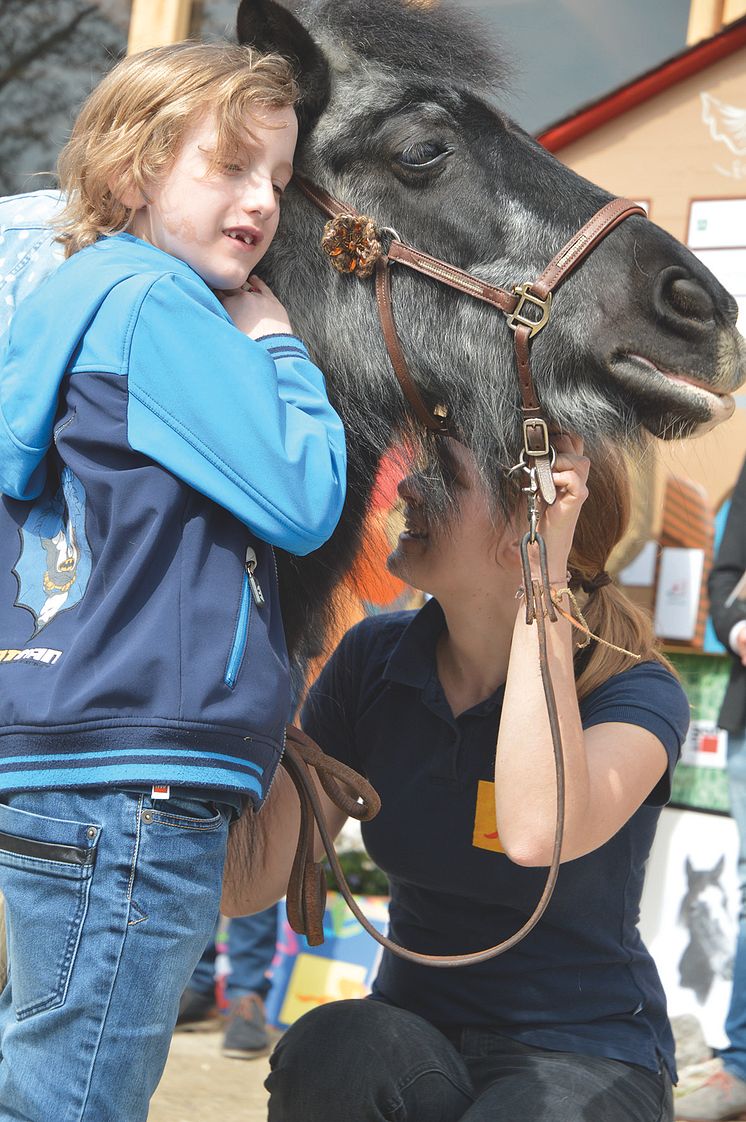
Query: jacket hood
x=43, y=337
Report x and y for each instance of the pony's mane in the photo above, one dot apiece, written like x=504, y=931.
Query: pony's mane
x=407, y=36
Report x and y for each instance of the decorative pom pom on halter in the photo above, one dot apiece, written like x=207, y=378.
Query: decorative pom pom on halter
x=352, y=244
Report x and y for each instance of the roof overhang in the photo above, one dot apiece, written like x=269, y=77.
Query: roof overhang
x=634, y=93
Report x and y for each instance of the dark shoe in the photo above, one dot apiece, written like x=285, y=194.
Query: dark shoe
x=196, y=1008
x=246, y=1035
x=721, y=1097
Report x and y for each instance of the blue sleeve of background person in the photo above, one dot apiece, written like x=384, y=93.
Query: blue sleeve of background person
x=649, y=696
x=28, y=250
x=246, y=423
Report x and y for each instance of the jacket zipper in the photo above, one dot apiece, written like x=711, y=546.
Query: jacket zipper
x=251, y=592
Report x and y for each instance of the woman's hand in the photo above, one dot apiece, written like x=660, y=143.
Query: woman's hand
x=255, y=310
x=558, y=521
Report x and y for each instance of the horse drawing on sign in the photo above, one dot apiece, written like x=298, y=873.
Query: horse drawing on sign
x=705, y=914
x=400, y=119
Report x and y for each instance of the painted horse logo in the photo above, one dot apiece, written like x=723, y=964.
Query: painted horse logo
x=54, y=564
x=705, y=913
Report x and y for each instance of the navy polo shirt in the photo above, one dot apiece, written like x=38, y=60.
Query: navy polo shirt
x=582, y=980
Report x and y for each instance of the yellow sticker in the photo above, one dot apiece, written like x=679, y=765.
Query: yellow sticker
x=485, y=823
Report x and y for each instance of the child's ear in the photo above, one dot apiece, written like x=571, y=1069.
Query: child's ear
x=128, y=194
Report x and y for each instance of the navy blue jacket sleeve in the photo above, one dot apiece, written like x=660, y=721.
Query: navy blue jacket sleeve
x=245, y=422
x=729, y=567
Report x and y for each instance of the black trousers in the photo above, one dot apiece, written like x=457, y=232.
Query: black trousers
x=363, y=1061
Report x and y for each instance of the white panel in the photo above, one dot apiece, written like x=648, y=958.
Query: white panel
x=717, y=223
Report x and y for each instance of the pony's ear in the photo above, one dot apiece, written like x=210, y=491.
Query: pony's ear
x=270, y=27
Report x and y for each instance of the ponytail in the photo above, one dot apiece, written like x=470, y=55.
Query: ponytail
x=607, y=610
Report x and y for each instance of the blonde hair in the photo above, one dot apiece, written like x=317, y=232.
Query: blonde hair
x=131, y=127
x=602, y=523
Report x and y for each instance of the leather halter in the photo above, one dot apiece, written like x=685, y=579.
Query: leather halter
x=527, y=309
x=526, y=306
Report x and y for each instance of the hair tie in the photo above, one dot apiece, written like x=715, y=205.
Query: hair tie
x=592, y=585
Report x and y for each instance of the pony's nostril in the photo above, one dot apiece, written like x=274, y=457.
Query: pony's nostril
x=686, y=297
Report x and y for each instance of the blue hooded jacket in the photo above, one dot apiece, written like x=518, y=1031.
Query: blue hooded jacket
x=150, y=456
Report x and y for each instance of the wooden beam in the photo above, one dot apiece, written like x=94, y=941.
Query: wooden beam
x=705, y=20
x=733, y=10
x=156, y=23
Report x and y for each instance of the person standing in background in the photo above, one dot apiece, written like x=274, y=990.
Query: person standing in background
x=251, y=948
x=723, y=1096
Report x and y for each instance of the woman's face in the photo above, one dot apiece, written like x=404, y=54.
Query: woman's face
x=468, y=550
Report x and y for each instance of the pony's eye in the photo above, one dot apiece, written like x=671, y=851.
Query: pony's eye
x=425, y=154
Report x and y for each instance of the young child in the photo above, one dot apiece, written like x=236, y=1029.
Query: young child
x=160, y=430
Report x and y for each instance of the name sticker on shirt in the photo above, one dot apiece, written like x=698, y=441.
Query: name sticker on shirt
x=485, y=834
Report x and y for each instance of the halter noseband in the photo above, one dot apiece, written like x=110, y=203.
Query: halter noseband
x=354, y=245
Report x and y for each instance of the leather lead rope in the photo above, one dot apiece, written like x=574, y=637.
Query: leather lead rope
x=307, y=887
x=306, y=895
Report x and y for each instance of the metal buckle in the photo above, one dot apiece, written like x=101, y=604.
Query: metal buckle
x=526, y=296
x=540, y=425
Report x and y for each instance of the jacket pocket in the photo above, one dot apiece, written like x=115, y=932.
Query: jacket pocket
x=251, y=593
x=45, y=876
x=240, y=635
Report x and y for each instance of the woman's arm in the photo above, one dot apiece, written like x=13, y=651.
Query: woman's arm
x=261, y=847
x=609, y=769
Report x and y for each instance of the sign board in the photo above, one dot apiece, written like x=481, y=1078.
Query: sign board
x=678, y=592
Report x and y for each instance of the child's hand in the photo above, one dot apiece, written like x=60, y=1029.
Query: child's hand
x=256, y=312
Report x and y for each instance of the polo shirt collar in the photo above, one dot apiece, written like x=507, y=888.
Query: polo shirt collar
x=412, y=660
x=412, y=663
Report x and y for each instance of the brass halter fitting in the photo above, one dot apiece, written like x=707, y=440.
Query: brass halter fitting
x=532, y=488
x=526, y=296
x=536, y=437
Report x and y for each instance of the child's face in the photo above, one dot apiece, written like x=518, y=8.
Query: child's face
x=195, y=214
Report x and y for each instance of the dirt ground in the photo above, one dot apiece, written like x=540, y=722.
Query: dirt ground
x=199, y=1083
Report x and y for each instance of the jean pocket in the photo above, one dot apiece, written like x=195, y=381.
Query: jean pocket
x=46, y=865
x=185, y=814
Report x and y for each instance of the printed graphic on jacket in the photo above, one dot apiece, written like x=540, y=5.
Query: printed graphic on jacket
x=54, y=564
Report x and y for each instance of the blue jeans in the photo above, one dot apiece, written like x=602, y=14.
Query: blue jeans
x=251, y=948
x=734, y=1056
x=110, y=900
x=371, y=1062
